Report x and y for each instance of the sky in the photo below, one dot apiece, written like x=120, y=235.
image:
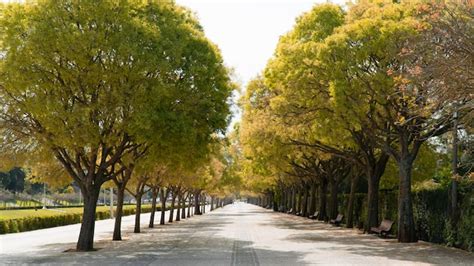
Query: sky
x=247, y=31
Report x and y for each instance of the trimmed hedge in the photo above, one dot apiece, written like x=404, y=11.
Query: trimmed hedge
x=430, y=213
x=34, y=223
x=51, y=207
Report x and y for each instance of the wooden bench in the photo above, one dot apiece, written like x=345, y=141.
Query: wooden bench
x=338, y=220
x=383, y=229
x=314, y=216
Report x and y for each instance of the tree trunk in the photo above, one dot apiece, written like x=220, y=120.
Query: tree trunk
x=212, y=203
x=305, y=202
x=118, y=213
x=189, y=205
x=183, y=208
x=138, y=213
x=275, y=204
x=282, y=201
x=154, y=195
x=288, y=199
x=197, y=203
x=350, y=203
x=406, y=224
x=374, y=170
x=203, y=199
x=298, y=206
x=163, y=196
x=173, y=200
x=312, y=203
x=323, y=189
x=86, y=234
x=333, y=200
x=372, y=202
x=293, y=201
x=178, y=208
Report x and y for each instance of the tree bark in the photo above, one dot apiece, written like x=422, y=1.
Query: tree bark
x=350, y=203
x=183, y=207
x=178, y=208
x=293, y=201
x=305, y=202
x=323, y=188
x=374, y=170
x=312, y=203
x=173, y=200
x=203, y=199
x=274, y=202
x=138, y=212
x=333, y=200
x=163, y=197
x=154, y=195
x=406, y=224
x=189, y=205
x=197, y=203
x=288, y=199
x=119, y=213
x=300, y=201
x=86, y=234
x=372, y=202
x=212, y=203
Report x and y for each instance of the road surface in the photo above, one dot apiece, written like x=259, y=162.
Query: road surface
x=238, y=234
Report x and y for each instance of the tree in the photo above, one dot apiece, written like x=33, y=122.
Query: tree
x=371, y=72
x=104, y=78
x=443, y=53
x=302, y=101
x=13, y=180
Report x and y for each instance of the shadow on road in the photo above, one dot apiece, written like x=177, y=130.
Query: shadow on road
x=242, y=234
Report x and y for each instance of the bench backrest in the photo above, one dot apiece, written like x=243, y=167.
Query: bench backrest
x=386, y=225
x=339, y=217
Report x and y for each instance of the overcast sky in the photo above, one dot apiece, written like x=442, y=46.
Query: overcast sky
x=247, y=31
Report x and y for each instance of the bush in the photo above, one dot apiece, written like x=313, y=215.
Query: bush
x=430, y=214
x=34, y=223
x=14, y=226
x=4, y=228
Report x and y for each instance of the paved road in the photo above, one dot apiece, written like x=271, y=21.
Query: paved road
x=239, y=234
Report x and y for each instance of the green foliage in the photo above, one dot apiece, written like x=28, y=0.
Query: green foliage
x=430, y=211
x=104, y=77
x=27, y=220
x=430, y=214
x=13, y=180
x=428, y=165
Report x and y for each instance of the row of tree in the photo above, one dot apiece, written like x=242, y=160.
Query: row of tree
x=129, y=92
x=348, y=91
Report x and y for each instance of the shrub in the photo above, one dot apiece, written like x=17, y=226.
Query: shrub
x=33, y=223
x=430, y=213
x=4, y=228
